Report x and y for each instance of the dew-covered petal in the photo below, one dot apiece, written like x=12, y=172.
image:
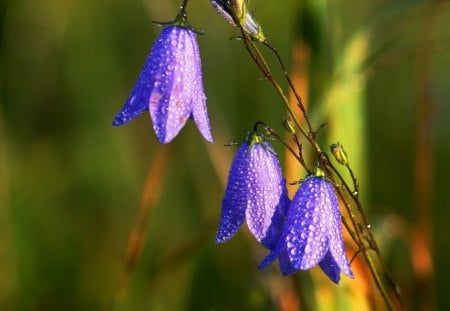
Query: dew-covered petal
x=273, y=232
x=150, y=85
x=330, y=268
x=284, y=260
x=272, y=256
x=199, y=111
x=337, y=249
x=223, y=10
x=134, y=105
x=170, y=103
x=234, y=202
x=267, y=195
x=306, y=233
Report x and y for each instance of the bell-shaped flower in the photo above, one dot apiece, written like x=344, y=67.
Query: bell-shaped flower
x=255, y=192
x=170, y=86
x=312, y=233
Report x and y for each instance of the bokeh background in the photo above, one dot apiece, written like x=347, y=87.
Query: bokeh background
x=73, y=188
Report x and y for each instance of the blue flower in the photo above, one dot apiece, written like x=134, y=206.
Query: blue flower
x=312, y=233
x=256, y=192
x=170, y=86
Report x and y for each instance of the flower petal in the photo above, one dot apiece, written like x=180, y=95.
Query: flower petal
x=146, y=84
x=235, y=200
x=199, y=111
x=267, y=195
x=306, y=235
x=336, y=239
x=170, y=102
x=330, y=267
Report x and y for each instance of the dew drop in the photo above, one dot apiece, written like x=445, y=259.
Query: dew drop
x=307, y=249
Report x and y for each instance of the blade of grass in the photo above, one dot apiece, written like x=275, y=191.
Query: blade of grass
x=152, y=189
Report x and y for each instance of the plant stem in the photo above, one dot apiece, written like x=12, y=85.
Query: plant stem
x=260, y=61
x=353, y=226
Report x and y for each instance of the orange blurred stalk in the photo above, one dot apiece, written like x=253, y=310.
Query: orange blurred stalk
x=152, y=189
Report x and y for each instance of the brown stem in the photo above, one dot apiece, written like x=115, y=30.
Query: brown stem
x=150, y=195
x=371, y=237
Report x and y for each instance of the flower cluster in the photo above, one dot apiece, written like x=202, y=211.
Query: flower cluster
x=170, y=86
x=300, y=234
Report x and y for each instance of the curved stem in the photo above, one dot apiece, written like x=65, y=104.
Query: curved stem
x=371, y=238
x=298, y=155
x=310, y=136
x=292, y=87
x=260, y=61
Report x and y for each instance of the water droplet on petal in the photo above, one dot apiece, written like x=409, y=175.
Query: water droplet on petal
x=308, y=249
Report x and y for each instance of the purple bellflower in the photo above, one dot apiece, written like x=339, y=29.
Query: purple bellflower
x=312, y=233
x=255, y=192
x=170, y=86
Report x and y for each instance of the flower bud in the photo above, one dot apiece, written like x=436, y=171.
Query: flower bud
x=289, y=126
x=339, y=153
x=236, y=13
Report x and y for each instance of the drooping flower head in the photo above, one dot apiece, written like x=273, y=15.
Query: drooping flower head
x=255, y=192
x=312, y=233
x=236, y=13
x=170, y=86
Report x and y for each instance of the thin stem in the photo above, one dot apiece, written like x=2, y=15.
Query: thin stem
x=352, y=227
x=150, y=195
x=371, y=238
x=298, y=156
x=183, y=7
x=354, y=180
x=292, y=87
x=260, y=61
x=358, y=240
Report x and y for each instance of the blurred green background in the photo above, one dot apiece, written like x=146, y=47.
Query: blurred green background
x=71, y=184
